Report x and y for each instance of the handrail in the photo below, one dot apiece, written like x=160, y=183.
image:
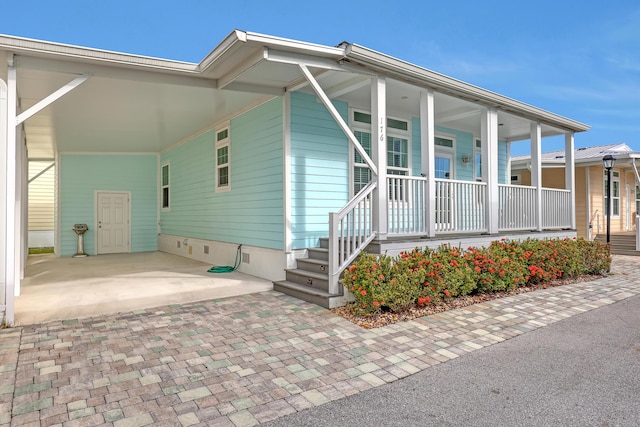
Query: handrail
x=350, y=231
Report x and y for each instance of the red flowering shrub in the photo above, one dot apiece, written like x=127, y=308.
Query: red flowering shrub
x=428, y=276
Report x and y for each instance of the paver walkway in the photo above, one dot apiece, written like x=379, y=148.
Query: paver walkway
x=246, y=360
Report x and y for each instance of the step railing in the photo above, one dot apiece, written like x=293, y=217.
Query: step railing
x=350, y=231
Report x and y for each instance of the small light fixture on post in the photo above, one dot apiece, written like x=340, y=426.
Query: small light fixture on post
x=608, y=161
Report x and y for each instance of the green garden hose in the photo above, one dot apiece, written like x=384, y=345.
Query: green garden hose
x=228, y=268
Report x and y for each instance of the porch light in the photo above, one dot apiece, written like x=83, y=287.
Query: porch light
x=608, y=161
x=466, y=159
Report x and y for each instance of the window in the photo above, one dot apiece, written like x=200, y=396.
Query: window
x=164, y=183
x=361, y=172
x=223, y=171
x=637, y=200
x=516, y=179
x=477, y=161
x=397, y=150
x=615, y=193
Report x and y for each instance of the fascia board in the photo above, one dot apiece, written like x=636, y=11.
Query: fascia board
x=422, y=76
x=52, y=50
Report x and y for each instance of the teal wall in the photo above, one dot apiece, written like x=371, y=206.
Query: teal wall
x=464, y=145
x=319, y=168
x=81, y=175
x=252, y=212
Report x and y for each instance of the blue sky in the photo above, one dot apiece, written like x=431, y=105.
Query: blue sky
x=573, y=58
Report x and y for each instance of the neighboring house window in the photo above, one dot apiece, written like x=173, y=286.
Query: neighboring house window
x=516, y=179
x=223, y=161
x=477, y=160
x=615, y=193
x=397, y=150
x=164, y=182
x=637, y=200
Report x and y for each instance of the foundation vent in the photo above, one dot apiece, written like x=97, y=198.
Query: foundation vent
x=206, y=249
x=178, y=243
x=245, y=258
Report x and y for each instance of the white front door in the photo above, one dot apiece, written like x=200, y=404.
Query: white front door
x=112, y=222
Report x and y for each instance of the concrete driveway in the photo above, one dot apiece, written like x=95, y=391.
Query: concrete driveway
x=68, y=288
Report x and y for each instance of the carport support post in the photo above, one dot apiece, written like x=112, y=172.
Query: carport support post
x=11, y=231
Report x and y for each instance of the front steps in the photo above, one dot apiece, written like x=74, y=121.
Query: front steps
x=310, y=280
x=621, y=243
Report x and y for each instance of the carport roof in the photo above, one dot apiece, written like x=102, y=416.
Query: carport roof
x=134, y=103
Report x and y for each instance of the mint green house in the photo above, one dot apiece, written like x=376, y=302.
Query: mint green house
x=300, y=154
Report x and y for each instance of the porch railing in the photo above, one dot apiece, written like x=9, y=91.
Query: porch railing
x=517, y=207
x=556, y=208
x=350, y=231
x=460, y=206
x=406, y=205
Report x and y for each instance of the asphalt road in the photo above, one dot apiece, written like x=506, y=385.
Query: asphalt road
x=582, y=371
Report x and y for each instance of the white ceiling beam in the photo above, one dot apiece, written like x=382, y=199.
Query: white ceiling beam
x=347, y=86
x=247, y=65
x=20, y=118
x=300, y=59
x=457, y=114
x=524, y=137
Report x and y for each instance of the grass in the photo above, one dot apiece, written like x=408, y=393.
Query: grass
x=36, y=251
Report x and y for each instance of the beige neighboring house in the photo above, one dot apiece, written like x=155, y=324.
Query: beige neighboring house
x=41, y=204
x=590, y=182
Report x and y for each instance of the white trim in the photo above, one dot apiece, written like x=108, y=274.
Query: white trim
x=286, y=165
x=95, y=217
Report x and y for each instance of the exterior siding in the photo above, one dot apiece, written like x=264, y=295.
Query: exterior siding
x=41, y=197
x=319, y=169
x=582, y=216
x=252, y=212
x=81, y=175
x=503, y=162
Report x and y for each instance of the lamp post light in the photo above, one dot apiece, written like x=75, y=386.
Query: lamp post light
x=608, y=161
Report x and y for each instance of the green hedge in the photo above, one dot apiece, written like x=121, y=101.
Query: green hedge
x=428, y=276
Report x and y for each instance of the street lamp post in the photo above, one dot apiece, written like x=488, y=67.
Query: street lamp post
x=608, y=161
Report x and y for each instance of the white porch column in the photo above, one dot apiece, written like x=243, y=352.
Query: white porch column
x=536, y=170
x=379, y=155
x=427, y=141
x=570, y=174
x=489, y=137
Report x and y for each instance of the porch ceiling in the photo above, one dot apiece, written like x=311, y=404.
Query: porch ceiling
x=139, y=104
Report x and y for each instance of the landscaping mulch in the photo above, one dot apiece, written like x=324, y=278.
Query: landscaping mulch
x=385, y=318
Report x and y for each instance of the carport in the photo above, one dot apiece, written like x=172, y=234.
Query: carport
x=68, y=288
x=57, y=99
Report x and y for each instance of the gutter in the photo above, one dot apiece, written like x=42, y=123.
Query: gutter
x=423, y=77
x=52, y=50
